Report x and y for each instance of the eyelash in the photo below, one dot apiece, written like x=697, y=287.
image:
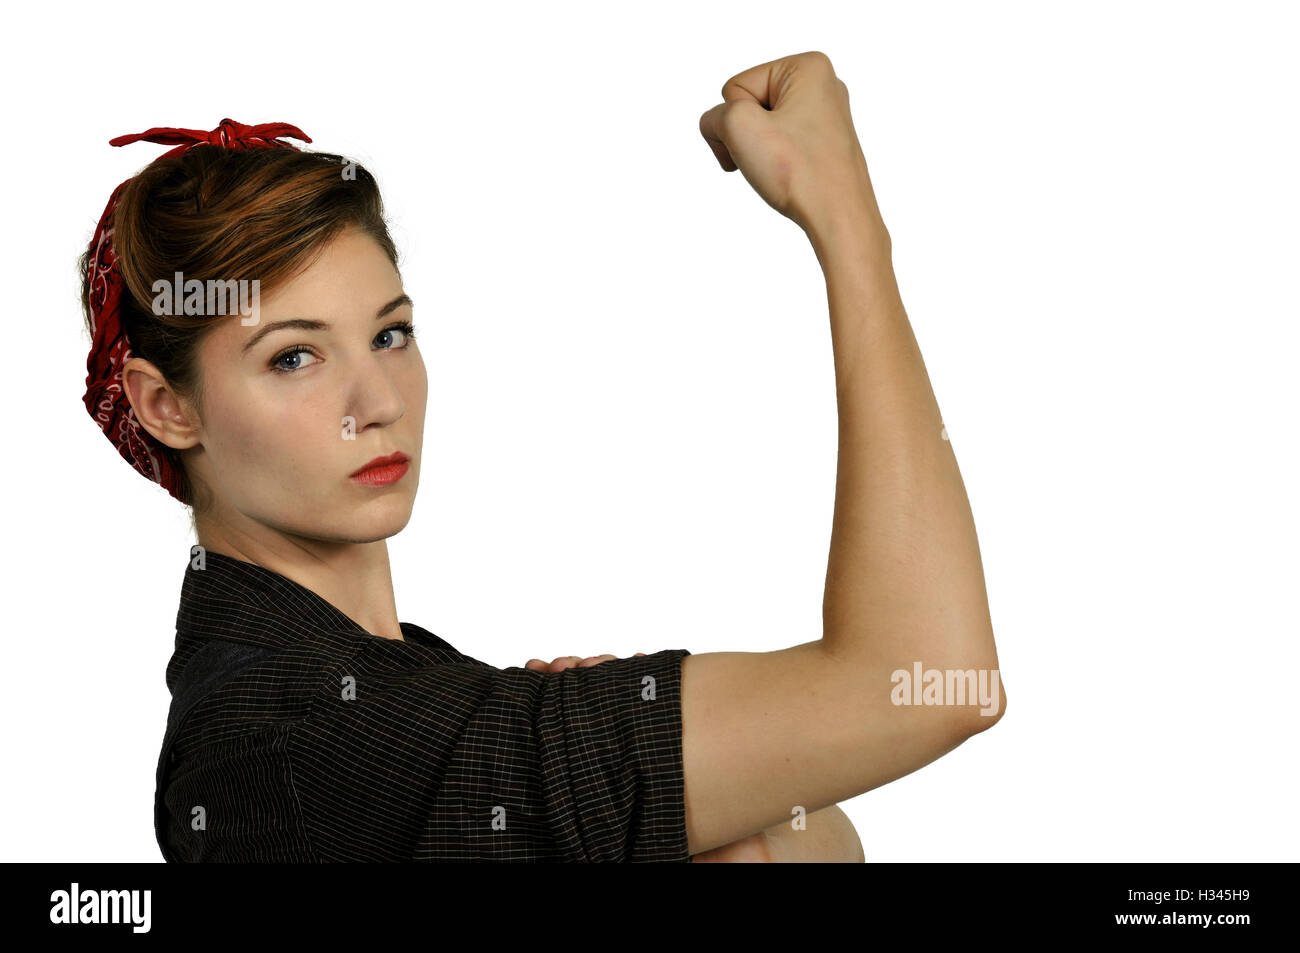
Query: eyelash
x=406, y=327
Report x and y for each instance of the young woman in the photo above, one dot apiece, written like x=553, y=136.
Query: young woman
x=254, y=352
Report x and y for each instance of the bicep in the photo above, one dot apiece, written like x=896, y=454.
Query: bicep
x=765, y=734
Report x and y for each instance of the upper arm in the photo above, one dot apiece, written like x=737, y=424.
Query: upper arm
x=471, y=762
x=767, y=733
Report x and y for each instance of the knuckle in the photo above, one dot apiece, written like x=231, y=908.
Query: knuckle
x=731, y=81
x=819, y=59
x=728, y=119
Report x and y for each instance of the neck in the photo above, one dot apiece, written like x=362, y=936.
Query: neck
x=355, y=578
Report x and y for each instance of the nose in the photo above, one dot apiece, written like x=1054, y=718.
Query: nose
x=374, y=396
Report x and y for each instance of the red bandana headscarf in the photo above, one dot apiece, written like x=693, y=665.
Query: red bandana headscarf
x=109, y=348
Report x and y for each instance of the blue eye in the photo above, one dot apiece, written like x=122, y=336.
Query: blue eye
x=407, y=329
x=383, y=339
x=277, y=366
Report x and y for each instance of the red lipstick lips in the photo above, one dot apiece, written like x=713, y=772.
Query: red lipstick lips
x=382, y=471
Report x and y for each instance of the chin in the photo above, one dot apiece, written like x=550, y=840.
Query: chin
x=377, y=520
x=349, y=523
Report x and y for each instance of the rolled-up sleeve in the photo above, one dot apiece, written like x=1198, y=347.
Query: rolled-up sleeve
x=461, y=761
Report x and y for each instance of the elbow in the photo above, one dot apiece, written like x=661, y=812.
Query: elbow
x=982, y=693
x=976, y=700
x=988, y=718
x=989, y=708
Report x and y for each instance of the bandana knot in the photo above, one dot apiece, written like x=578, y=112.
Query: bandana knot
x=230, y=134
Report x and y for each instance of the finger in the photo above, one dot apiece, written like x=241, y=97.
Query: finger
x=711, y=130
x=596, y=660
x=563, y=662
x=640, y=653
x=535, y=664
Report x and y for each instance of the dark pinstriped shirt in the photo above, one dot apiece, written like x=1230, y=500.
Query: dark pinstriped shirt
x=295, y=735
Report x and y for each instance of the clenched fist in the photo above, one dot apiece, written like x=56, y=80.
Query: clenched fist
x=786, y=126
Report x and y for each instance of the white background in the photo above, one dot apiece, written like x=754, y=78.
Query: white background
x=631, y=432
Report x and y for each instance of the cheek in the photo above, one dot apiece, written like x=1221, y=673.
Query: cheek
x=420, y=387
x=264, y=435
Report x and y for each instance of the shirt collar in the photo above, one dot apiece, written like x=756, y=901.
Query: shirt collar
x=240, y=601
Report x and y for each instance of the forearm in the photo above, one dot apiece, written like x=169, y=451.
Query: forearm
x=904, y=579
x=828, y=837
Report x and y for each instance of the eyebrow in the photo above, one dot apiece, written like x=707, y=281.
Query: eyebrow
x=312, y=324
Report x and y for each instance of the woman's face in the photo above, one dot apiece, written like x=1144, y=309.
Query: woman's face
x=288, y=414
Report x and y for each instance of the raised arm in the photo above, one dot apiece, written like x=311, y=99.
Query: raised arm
x=769, y=734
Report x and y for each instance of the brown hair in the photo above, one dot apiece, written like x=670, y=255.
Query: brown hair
x=221, y=214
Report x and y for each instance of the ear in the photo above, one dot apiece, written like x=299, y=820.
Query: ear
x=167, y=417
